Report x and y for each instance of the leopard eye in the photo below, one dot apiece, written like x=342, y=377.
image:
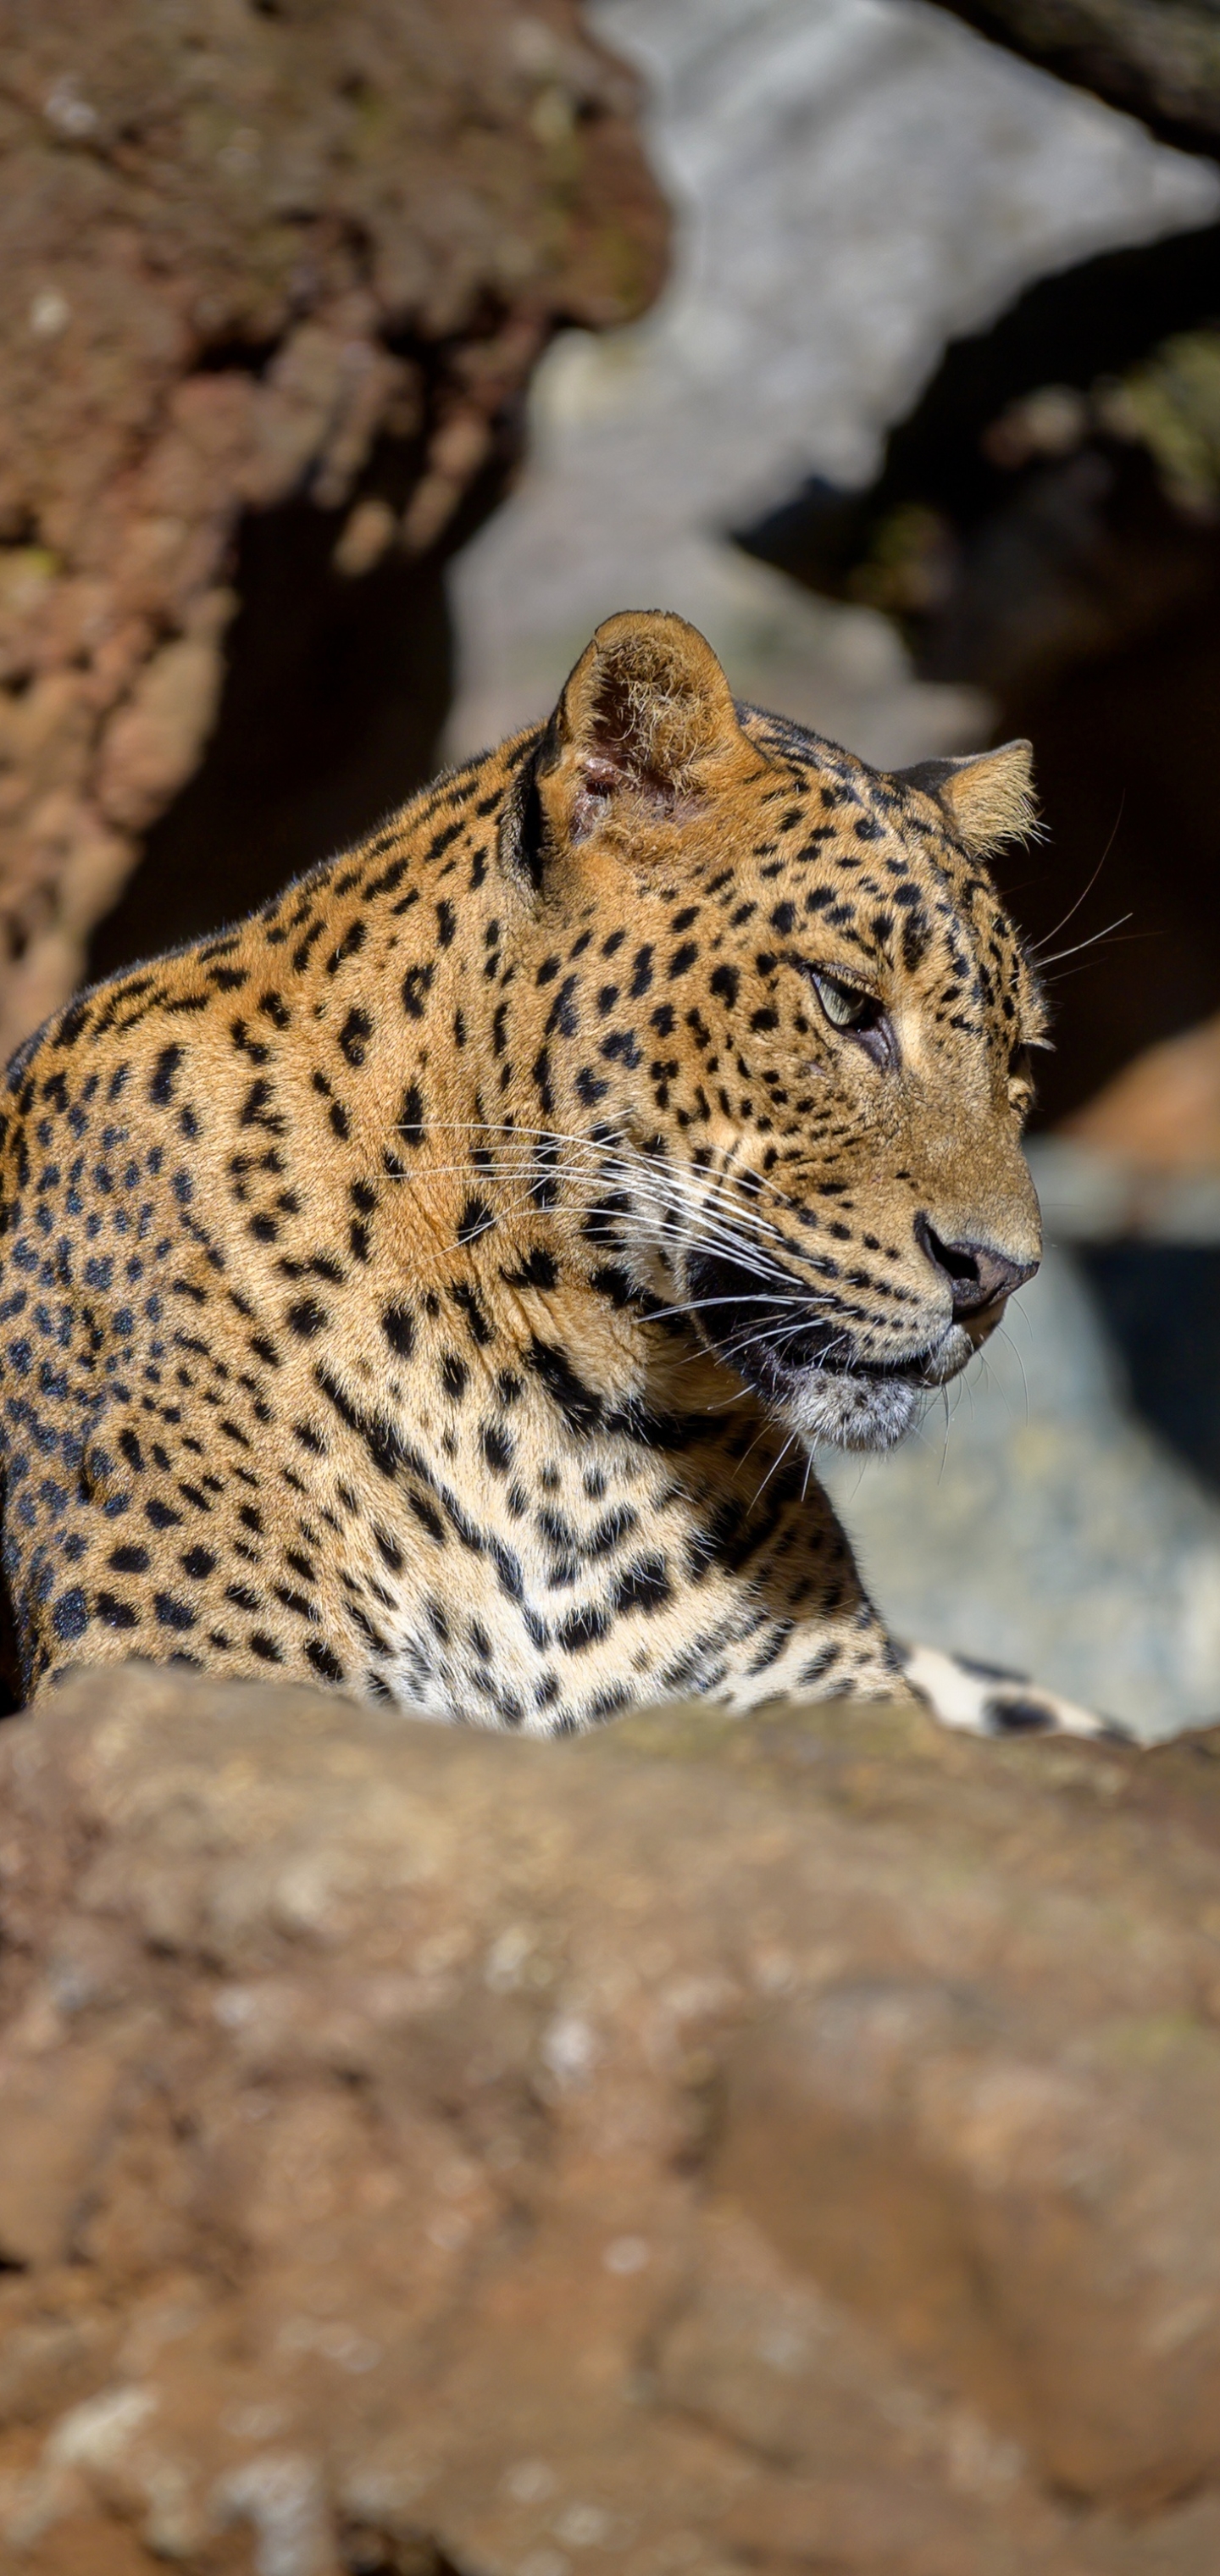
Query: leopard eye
x=1021, y=1077
x=858, y=1015
x=845, y=1006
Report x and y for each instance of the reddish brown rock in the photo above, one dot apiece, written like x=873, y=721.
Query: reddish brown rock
x=707, y=2146
x=238, y=246
x=1161, y=1114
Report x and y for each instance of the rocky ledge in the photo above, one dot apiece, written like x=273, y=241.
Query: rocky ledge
x=707, y=2146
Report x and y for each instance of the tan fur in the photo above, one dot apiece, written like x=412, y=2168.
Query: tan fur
x=989, y=795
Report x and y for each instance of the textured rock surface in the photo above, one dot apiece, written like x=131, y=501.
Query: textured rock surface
x=700, y=2147
x=238, y=247
x=856, y=182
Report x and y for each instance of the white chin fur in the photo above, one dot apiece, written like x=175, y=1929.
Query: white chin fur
x=851, y=1412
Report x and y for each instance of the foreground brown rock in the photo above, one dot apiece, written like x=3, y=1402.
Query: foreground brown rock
x=707, y=2146
x=248, y=253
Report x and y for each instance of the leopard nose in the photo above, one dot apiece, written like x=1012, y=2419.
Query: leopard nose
x=977, y=1274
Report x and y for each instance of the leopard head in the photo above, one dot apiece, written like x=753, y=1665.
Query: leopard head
x=795, y=1047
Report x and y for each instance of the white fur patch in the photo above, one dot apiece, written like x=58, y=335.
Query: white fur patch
x=983, y=1703
x=851, y=1412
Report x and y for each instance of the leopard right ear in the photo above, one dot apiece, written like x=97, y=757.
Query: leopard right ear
x=644, y=726
x=988, y=795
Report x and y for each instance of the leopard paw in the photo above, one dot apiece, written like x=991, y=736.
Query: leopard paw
x=983, y=1699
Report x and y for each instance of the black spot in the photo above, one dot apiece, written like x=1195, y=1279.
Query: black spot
x=454, y=1375
x=497, y=1448
x=415, y=985
x=323, y=1661
x=1017, y=1717
x=353, y=938
x=475, y=1219
x=581, y=1629
x=428, y=1518
x=354, y=1036
x=115, y=1613
x=198, y=1562
x=539, y=1269
x=411, y=1115
x=383, y=1446
x=172, y=1613
x=480, y=1330
x=577, y=1402
x=915, y=937
x=563, y=1014
x=726, y=981
x=70, y=1617
x=644, y=1585
x=161, y=1087
x=398, y=1325
x=613, y=1283
x=307, y=1318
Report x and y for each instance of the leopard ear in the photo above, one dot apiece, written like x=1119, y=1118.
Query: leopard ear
x=646, y=717
x=988, y=795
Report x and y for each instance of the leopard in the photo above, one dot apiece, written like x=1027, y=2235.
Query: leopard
x=439, y=1285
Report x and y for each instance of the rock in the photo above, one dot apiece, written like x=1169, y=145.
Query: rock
x=244, y=253
x=857, y=182
x=707, y=2145
x=1160, y=1116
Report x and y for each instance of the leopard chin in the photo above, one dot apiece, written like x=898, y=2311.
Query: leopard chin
x=848, y=1412
x=871, y=1408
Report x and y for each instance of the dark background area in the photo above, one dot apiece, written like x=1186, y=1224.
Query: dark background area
x=1086, y=599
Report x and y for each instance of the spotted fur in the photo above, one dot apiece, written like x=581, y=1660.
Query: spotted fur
x=438, y=1285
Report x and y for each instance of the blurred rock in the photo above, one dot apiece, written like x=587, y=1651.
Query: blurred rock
x=1161, y=1114
x=708, y=2145
x=241, y=252
x=857, y=182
